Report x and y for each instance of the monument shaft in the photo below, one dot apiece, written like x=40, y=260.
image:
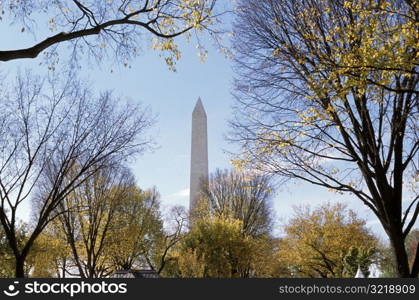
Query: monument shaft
x=199, y=154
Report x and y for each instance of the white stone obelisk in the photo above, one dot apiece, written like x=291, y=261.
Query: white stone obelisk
x=199, y=154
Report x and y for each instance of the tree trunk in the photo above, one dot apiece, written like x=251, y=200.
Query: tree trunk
x=400, y=254
x=20, y=267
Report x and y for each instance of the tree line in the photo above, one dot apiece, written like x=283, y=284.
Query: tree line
x=109, y=224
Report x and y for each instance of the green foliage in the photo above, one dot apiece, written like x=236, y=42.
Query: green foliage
x=220, y=245
x=217, y=247
x=49, y=254
x=137, y=230
x=7, y=257
x=358, y=257
x=320, y=240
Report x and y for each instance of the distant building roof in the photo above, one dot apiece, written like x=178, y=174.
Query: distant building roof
x=135, y=274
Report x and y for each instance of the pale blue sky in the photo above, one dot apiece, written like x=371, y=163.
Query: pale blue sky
x=172, y=97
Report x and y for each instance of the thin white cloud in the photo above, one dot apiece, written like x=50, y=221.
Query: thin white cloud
x=179, y=194
x=180, y=197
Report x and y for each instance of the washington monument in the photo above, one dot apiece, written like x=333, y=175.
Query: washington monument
x=199, y=153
